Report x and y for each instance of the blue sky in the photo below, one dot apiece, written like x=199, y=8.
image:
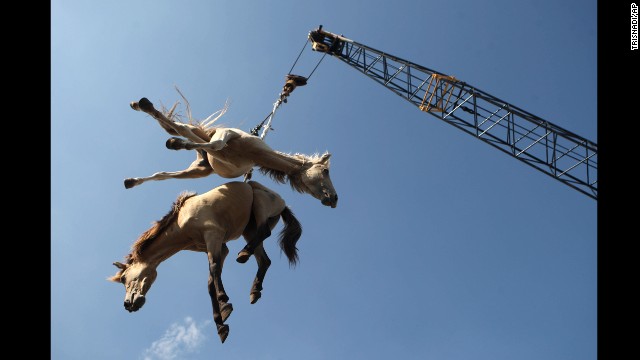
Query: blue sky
x=441, y=247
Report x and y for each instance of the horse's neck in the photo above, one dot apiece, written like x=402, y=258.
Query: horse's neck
x=281, y=162
x=165, y=246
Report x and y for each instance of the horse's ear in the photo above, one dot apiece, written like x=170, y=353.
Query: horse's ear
x=120, y=266
x=325, y=158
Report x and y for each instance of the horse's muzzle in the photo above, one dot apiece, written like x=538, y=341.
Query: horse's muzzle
x=330, y=200
x=134, y=305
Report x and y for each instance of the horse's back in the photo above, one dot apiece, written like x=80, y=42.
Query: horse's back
x=226, y=208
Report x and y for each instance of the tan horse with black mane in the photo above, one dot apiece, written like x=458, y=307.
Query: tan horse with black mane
x=205, y=223
x=231, y=152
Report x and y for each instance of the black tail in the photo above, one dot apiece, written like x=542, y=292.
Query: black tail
x=289, y=235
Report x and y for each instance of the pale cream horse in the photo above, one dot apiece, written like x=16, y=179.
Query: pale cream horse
x=231, y=152
x=205, y=223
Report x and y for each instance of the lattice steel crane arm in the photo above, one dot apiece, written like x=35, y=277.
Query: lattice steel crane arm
x=559, y=153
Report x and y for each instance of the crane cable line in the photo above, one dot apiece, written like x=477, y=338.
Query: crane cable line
x=292, y=82
x=256, y=129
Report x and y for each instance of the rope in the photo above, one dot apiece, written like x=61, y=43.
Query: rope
x=255, y=131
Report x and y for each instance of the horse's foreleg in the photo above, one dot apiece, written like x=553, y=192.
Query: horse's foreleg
x=225, y=307
x=197, y=169
x=214, y=243
x=190, y=132
x=223, y=329
x=263, y=265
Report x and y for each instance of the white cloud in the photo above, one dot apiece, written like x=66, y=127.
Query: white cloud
x=178, y=340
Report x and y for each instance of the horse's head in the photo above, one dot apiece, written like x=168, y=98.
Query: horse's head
x=315, y=178
x=137, y=279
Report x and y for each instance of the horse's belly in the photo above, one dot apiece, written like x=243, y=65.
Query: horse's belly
x=230, y=165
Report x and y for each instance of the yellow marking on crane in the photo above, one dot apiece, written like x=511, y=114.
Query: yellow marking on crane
x=446, y=91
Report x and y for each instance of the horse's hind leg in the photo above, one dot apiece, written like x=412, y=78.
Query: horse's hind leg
x=255, y=236
x=265, y=210
x=263, y=265
x=190, y=132
x=218, y=141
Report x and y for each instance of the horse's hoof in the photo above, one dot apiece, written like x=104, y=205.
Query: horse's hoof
x=145, y=105
x=223, y=332
x=225, y=311
x=175, y=143
x=134, y=105
x=129, y=183
x=243, y=256
x=254, y=297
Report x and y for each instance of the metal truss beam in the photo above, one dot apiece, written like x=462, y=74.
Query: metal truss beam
x=559, y=153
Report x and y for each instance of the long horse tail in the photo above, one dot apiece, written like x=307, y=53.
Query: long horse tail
x=289, y=235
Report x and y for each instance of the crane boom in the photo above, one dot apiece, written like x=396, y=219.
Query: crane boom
x=559, y=153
